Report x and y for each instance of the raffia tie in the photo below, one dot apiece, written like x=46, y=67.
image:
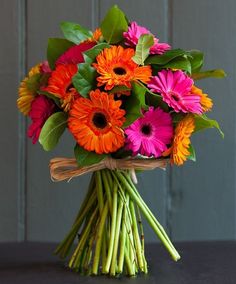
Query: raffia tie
x=67, y=168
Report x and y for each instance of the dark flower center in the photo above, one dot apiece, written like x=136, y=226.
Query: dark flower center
x=175, y=96
x=119, y=71
x=99, y=120
x=146, y=129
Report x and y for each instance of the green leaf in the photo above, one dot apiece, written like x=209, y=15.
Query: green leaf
x=142, y=48
x=74, y=32
x=52, y=130
x=203, y=122
x=134, y=104
x=119, y=89
x=192, y=155
x=196, y=60
x=33, y=82
x=50, y=96
x=216, y=73
x=182, y=63
x=113, y=25
x=165, y=58
x=86, y=158
x=56, y=47
x=153, y=99
x=91, y=54
x=84, y=79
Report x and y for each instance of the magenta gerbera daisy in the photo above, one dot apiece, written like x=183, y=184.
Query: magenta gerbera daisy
x=74, y=55
x=135, y=31
x=175, y=88
x=149, y=135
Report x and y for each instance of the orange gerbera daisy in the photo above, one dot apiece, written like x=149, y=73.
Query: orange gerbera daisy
x=116, y=68
x=60, y=84
x=179, y=151
x=96, y=122
x=27, y=92
x=205, y=101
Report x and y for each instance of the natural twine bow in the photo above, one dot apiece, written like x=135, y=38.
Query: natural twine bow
x=67, y=168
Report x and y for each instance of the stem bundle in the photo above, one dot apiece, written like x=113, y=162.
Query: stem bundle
x=109, y=228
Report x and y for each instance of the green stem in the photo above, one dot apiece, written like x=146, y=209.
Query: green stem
x=129, y=265
x=113, y=227
x=148, y=216
x=107, y=189
x=136, y=237
x=64, y=247
x=116, y=241
x=99, y=190
x=99, y=239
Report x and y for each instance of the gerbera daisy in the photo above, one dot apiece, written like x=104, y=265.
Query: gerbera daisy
x=179, y=151
x=60, y=84
x=41, y=109
x=74, y=55
x=205, y=101
x=27, y=92
x=150, y=134
x=96, y=122
x=175, y=88
x=135, y=31
x=116, y=67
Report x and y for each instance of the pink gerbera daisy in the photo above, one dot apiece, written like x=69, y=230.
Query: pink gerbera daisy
x=41, y=109
x=175, y=88
x=135, y=31
x=74, y=55
x=149, y=135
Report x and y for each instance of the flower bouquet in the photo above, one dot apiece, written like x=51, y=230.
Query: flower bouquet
x=131, y=104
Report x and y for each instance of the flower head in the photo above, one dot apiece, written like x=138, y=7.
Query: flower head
x=116, y=68
x=41, y=109
x=96, y=122
x=60, y=84
x=179, y=151
x=205, y=101
x=28, y=90
x=135, y=31
x=74, y=55
x=150, y=134
x=175, y=88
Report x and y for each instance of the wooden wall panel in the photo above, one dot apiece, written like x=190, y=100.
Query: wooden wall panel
x=8, y=121
x=203, y=193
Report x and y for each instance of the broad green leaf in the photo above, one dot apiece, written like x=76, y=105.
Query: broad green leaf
x=86, y=158
x=134, y=104
x=52, y=130
x=113, y=25
x=153, y=99
x=182, y=63
x=50, y=96
x=203, y=122
x=74, y=32
x=142, y=48
x=165, y=58
x=196, y=60
x=216, y=73
x=192, y=155
x=56, y=47
x=119, y=89
x=91, y=54
x=84, y=79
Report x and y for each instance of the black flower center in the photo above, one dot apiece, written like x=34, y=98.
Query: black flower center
x=99, y=120
x=175, y=97
x=119, y=71
x=146, y=129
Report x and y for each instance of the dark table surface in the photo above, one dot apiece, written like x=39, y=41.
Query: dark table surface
x=202, y=263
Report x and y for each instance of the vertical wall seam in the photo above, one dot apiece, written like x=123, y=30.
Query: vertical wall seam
x=21, y=186
x=95, y=13
x=169, y=17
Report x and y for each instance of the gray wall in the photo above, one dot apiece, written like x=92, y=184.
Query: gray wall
x=193, y=202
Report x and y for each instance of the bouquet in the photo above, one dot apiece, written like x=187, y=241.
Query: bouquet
x=131, y=104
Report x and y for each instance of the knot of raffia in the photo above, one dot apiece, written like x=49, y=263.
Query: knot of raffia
x=67, y=168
